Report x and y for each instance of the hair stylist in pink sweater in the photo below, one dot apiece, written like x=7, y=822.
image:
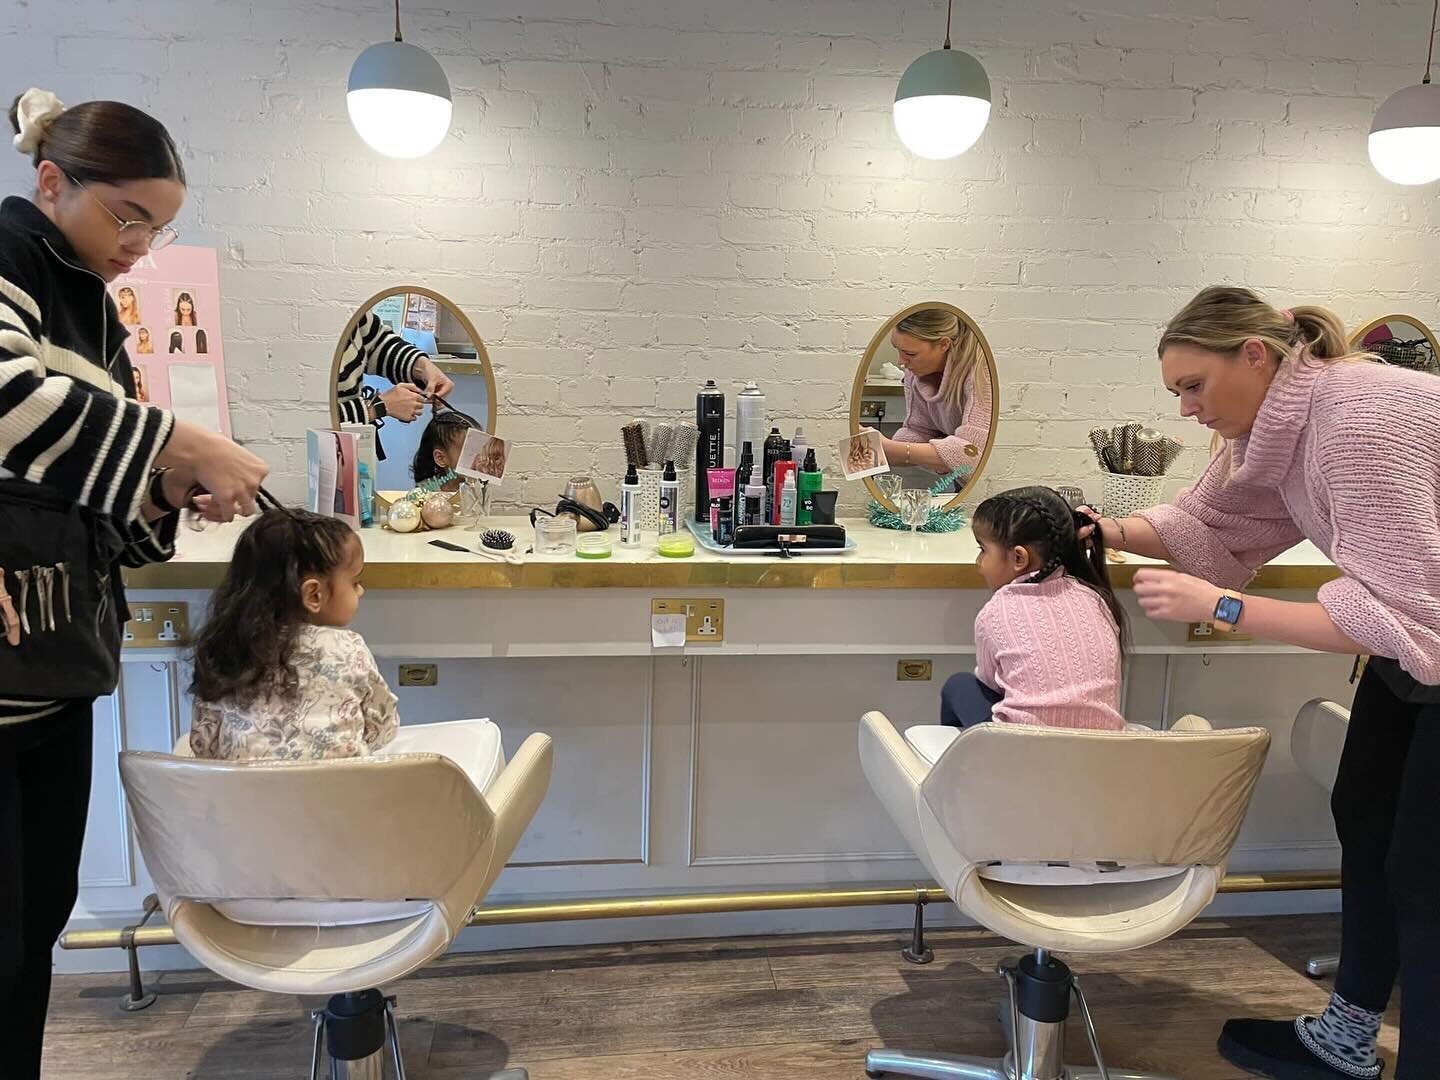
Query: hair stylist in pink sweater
x=1324, y=446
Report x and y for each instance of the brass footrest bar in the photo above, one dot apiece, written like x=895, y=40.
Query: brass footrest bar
x=640, y=907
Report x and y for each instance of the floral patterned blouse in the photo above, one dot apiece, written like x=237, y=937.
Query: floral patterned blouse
x=342, y=708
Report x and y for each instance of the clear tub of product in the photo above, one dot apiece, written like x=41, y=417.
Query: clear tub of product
x=554, y=535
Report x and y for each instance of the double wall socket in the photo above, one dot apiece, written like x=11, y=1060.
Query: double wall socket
x=704, y=619
x=157, y=625
x=1204, y=633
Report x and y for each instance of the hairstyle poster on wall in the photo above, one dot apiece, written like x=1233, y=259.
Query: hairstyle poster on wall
x=170, y=303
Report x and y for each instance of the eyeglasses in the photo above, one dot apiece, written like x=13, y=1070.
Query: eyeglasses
x=133, y=232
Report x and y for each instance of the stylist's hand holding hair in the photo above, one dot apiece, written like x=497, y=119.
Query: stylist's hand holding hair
x=403, y=401
x=428, y=374
x=230, y=473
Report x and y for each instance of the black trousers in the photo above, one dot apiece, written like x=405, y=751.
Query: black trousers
x=44, y=801
x=966, y=701
x=1387, y=813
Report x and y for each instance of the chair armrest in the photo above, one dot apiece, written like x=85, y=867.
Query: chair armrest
x=517, y=792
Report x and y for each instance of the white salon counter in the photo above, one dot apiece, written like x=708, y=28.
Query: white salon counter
x=720, y=765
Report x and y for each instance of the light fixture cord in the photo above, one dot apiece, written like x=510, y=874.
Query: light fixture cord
x=1429, y=56
x=950, y=5
x=397, y=21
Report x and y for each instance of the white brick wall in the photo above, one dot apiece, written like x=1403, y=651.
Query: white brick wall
x=640, y=194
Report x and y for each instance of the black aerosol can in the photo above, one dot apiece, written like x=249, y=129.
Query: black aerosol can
x=710, y=453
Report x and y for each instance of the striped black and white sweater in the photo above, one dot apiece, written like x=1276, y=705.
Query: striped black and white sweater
x=373, y=349
x=68, y=418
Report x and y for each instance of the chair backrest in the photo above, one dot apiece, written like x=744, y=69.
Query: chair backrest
x=1012, y=793
x=380, y=829
x=1318, y=738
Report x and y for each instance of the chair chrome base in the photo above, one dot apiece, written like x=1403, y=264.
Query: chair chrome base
x=1034, y=1034
x=1322, y=965
x=357, y=1041
x=957, y=1067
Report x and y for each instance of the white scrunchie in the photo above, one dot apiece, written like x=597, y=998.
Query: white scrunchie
x=37, y=110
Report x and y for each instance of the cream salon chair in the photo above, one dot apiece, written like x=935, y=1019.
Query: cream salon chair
x=335, y=877
x=1071, y=841
x=1316, y=742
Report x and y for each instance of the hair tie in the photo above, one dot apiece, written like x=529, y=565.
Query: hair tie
x=35, y=112
x=1288, y=315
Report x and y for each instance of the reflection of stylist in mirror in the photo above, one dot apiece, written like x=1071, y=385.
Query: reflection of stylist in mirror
x=375, y=349
x=947, y=393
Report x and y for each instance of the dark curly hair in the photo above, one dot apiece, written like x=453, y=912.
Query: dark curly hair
x=1039, y=518
x=244, y=649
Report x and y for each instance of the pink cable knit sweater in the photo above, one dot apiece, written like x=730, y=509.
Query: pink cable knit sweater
x=1348, y=456
x=1053, y=650
x=958, y=435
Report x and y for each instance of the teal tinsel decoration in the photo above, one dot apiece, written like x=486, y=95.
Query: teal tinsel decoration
x=941, y=521
x=435, y=483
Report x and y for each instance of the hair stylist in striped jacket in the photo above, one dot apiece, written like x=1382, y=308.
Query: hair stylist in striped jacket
x=90, y=480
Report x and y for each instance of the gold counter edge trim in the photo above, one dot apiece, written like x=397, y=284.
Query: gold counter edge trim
x=768, y=575
x=632, y=907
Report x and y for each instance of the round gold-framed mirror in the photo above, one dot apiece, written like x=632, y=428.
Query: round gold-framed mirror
x=392, y=334
x=928, y=384
x=1400, y=340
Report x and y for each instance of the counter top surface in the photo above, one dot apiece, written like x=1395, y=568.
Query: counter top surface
x=883, y=559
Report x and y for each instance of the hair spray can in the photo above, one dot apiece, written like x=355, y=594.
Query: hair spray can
x=710, y=452
x=749, y=418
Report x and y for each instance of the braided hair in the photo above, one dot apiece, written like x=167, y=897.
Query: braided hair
x=1039, y=519
x=445, y=424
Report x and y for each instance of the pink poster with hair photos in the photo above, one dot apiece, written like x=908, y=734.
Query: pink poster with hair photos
x=170, y=303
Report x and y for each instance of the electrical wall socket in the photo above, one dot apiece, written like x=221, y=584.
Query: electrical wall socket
x=157, y=624
x=704, y=619
x=419, y=674
x=1204, y=633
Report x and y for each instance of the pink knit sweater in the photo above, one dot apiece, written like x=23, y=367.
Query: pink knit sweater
x=1348, y=456
x=958, y=435
x=1053, y=650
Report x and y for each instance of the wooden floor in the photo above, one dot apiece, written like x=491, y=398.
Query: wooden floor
x=772, y=1008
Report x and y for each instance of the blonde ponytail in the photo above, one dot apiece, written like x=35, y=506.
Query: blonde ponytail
x=1222, y=318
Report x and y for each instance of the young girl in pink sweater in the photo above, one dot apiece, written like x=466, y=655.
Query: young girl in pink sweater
x=1048, y=643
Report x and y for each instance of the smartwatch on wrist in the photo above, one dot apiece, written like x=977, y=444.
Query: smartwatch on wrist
x=1227, y=610
x=378, y=409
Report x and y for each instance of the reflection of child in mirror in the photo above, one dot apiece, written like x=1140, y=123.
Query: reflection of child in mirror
x=441, y=444
x=143, y=344
x=947, y=393
x=128, y=305
x=1048, y=643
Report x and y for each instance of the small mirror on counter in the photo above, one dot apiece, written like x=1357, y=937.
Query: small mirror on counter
x=1401, y=340
x=393, y=353
x=927, y=384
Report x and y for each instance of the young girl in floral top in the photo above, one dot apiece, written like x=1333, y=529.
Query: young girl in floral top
x=277, y=675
